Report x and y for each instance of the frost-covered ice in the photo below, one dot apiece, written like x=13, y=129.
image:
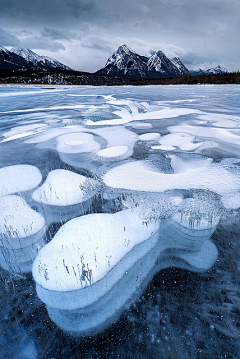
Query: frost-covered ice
x=121, y=182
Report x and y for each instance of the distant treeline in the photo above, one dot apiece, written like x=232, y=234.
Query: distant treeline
x=218, y=79
x=59, y=76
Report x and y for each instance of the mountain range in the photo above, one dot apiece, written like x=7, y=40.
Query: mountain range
x=125, y=61
x=18, y=57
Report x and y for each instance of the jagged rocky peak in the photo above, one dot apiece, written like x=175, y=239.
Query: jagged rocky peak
x=159, y=62
x=124, y=49
x=125, y=61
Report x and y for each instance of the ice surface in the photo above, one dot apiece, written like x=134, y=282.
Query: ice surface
x=126, y=117
x=18, y=178
x=38, y=127
x=139, y=175
x=96, y=150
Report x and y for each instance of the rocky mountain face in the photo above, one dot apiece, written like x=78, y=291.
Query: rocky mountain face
x=125, y=61
x=17, y=58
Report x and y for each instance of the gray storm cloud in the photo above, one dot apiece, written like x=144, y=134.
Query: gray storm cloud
x=204, y=31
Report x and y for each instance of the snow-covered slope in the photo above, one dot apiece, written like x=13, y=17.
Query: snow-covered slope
x=207, y=71
x=216, y=70
x=178, y=63
x=38, y=60
x=125, y=61
x=10, y=60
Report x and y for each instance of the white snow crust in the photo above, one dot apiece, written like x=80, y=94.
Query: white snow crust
x=150, y=136
x=18, y=178
x=62, y=188
x=140, y=176
x=17, y=221
x=87, y=248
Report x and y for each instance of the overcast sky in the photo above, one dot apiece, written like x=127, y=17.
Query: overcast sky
x=84, y=33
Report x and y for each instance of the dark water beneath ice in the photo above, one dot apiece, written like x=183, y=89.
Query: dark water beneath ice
x=142, y=145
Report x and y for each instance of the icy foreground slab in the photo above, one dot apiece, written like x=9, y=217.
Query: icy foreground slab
x=21, y=234
x=102, y=262
x=27, y=177
x=63, y=195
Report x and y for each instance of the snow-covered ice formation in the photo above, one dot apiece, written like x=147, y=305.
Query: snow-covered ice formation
x=187, y=174
x=18, y=178
x=64, y=195
x=22, y=233
x=103, y=261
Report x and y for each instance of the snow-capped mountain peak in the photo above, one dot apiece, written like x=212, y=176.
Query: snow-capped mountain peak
x=26, y=54
x=216, y=70
x=125, y=61
x=38, y=60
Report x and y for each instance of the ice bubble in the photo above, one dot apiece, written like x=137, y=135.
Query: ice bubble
x=151, y=136
x=117, y=136
x=182, y=140
x=18, y=178
x=103, y=261
x=94, y=244
x=77, y=143
x=21, y=233
x=65, y=194
x=139, y=125
x=163, y=147
x=114, y=153
x=54, y=132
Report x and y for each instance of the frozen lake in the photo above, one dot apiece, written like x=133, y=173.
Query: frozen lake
x=119, y=221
